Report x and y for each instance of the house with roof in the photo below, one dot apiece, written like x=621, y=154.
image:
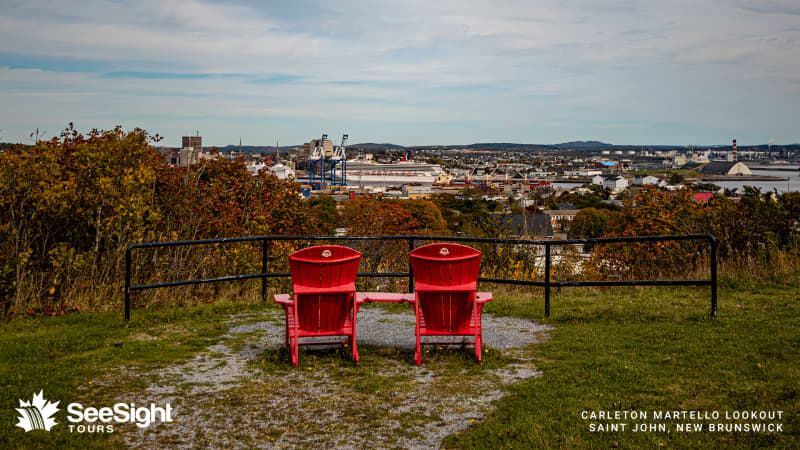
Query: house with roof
x=650, y=180
x=702, y=197
x=615, y=183
x=560, y=217
x=728, y=168
x=523, y=225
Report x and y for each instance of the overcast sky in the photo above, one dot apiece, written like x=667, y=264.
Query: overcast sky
x=406, y=72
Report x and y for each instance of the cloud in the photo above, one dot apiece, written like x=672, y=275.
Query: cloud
x=771, y=7
x=168, y=75
x=512, y=68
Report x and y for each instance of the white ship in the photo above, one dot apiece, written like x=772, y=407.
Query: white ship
x=367, y=173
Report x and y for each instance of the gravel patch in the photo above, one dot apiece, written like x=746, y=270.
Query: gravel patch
x=377, y=327
x=222, y=398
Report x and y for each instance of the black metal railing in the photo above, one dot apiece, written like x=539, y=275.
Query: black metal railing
x=547, y=283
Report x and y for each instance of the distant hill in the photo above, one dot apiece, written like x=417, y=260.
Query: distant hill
x=375, y=146
x=584, y=144
x=579, y=146
x=491, y=146
x=255, y=148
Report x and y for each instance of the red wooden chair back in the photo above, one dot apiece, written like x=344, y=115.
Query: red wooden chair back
x=324, y=278
x=446, y=277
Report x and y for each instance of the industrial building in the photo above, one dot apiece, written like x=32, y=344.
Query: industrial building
x=725, y=168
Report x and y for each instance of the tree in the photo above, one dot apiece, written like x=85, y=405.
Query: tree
x=324, y=207
x=676, y=179
x=427, y=214
x=593, y=223
x=365, y=216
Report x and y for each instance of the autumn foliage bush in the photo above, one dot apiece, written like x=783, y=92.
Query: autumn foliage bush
x=70, y=206
x=756, y=232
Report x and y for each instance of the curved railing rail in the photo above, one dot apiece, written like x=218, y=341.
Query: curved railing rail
x=546, y=283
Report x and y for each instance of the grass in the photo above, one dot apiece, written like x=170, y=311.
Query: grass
x=652, y=349
x=666, y=173
x=610, y=349
x=73, y=358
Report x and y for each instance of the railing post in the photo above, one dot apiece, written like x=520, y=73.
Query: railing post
x=264, y=255
x=410, y=273
x=547, y=280
x=128, y=283
x=714, y=251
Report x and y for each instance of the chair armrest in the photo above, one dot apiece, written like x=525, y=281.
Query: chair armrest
x=283, y=299
x=392, y=297
x=483, y=297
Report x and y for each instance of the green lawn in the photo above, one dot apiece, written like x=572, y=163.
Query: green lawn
x=62, y=355
x=653, y=349
x=613, y=349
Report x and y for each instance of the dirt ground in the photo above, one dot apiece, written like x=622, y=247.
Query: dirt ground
x=243, y=391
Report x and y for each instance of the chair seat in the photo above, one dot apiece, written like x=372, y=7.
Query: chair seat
x=470, y=330
x=346, y=329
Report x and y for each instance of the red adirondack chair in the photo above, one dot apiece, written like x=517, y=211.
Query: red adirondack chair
x=446, y=302
x=324, y=301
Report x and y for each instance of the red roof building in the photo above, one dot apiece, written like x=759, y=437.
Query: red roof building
x=702, y=197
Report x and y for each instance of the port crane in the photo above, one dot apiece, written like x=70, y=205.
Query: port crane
x=332, y=170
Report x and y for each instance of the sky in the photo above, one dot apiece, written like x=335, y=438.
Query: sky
x=408, y=72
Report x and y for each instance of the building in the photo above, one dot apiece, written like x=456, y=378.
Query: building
x=523, y=225
x=309, y=147
x=255, y=167
x=521, y=188
x=195, y=142
x=191, y=148
x=417, y=192
x=282, y=171
x=703, y=197
x=171, y=156
x=613, y=182
x=725, y=168
x=559, y=218
x=645, y=179
x=582, y=173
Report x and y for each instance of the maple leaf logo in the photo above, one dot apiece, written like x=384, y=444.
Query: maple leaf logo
x=37, y=414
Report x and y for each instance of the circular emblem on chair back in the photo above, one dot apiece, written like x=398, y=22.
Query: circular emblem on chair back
x=445, y=264
x=326, y=253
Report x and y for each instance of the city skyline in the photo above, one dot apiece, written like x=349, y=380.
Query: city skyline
x=413, y=74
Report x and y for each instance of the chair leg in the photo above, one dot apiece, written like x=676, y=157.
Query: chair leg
x=478, y=347
x=479, y=334
x=417, y=332
x=355, y=348
x=295, y=351
x=353, y=336
x=417, y=352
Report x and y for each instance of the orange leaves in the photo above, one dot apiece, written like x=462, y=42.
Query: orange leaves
x=365, y=216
